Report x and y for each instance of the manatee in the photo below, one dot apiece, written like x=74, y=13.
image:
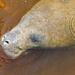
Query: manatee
x=48, y=24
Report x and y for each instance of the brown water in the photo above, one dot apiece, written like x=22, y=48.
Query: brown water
x=38, y=62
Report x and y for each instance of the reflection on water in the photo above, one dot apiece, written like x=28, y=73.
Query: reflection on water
x=38, y=62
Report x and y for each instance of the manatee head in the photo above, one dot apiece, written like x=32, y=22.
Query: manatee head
x=46, y=26
x=16, y=42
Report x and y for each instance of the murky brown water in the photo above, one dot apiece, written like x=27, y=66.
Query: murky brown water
x=38, y=62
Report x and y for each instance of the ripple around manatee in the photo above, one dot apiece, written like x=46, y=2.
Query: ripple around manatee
x=72, y=25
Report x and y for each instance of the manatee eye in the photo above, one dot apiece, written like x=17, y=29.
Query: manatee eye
x=36, y=38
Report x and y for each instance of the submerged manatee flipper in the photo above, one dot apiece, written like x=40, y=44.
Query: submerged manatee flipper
x=49, y=24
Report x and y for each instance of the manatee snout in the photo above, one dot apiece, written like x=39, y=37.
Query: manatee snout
x=10, y=43
x=8, y=38
x=15, y=42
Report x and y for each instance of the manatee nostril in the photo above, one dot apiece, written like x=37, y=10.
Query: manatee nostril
x=3, y=38
x=6, y=42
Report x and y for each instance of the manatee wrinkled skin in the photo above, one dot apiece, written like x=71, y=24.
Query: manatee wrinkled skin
x=49, y=24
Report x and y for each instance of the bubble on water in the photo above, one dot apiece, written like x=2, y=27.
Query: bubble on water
x=25, y=1
x=2, y=4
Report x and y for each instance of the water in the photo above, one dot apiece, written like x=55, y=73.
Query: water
x=39, y=61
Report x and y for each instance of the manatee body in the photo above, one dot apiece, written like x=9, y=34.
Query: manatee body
x=49, y=24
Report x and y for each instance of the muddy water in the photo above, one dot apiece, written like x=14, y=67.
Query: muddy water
x=39, y=61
